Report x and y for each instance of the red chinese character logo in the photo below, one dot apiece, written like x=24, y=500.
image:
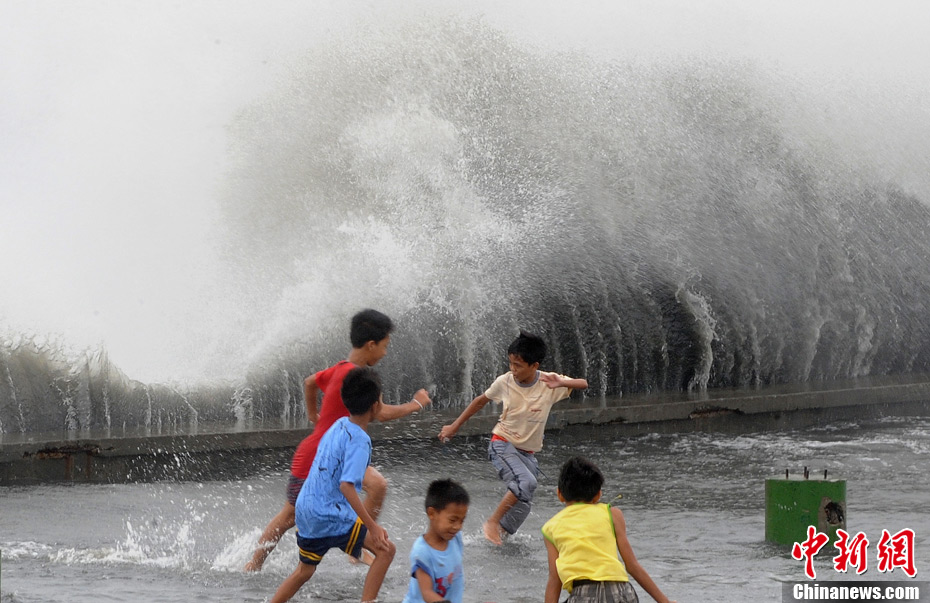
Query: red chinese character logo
x=897, y=551
x=852, y=552
x=809, y=548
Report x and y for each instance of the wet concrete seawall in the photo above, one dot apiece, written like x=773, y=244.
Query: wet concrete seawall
x=225, y=452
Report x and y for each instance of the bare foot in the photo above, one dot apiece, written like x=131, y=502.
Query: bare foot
x=367, y=558
x=493, y=532
x=251, y=566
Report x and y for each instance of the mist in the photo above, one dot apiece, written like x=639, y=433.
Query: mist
x=118, y=141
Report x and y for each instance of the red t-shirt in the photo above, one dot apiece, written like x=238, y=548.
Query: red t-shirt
x=332, y=409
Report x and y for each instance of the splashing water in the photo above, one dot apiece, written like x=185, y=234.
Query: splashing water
x=694, y=505
x=659, y=224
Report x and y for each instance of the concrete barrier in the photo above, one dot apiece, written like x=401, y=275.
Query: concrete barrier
x=224, y=451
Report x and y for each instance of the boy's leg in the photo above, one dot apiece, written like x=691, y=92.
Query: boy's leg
x=375, y=486
x=384, y=555
x=292, y=583
x=279, y=524
x=492, y=527
x=518, y=470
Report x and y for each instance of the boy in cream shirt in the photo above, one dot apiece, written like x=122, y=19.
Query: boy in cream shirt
x=527, y=395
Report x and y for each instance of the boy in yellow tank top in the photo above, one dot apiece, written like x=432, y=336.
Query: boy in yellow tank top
x=583, y=541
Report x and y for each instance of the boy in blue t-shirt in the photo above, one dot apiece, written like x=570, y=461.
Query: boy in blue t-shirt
x=436, y=556
x=329, y=510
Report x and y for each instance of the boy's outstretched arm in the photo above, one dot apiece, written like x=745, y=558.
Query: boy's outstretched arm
x=448, y=431
x=311, y=392
x=554, y=380
x=378, y=534
x=389, y=412
x=554, y=584
x=630, y=562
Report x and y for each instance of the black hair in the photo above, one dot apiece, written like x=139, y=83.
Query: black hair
x=580, y=480
x=531, y=348
x=369, y=325
x=361, y=388
x=444, y=492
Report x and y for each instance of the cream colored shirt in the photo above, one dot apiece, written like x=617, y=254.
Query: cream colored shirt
x=525, y=410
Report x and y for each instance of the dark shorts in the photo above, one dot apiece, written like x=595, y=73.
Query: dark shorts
x=312, y=549
x=294, y=484
x=602, y=592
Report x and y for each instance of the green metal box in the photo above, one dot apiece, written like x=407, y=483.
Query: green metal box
x=791, y=505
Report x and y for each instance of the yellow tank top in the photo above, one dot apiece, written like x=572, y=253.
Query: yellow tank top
x=583, y=533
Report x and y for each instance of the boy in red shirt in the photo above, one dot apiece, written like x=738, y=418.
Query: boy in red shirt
x=370, y=335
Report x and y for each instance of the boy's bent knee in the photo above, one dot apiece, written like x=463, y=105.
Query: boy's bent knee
x=373, y=482
x=524, y=489
x=531, y=483
x=385, y=552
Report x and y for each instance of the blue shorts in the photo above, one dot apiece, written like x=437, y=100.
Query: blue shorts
x=311, y=550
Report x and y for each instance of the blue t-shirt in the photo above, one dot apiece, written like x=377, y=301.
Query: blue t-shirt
x=444, y=567
x=343, y=456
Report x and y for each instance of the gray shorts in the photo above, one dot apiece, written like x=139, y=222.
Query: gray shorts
x=518, y=469
x=603, y=592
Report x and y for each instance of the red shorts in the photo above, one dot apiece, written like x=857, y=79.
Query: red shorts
x=294, y=484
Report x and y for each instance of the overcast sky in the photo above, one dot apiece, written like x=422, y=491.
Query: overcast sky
x=112, y=118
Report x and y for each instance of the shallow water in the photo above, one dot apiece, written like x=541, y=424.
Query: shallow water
x=694, y=505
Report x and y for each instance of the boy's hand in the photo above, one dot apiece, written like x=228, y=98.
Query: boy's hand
x=447, y=433
x=552, y=380
x=312, y=419
x=422, y=396
x=379, y=536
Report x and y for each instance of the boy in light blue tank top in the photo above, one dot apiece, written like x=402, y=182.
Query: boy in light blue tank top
x=436, y=557
x=589, y=554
